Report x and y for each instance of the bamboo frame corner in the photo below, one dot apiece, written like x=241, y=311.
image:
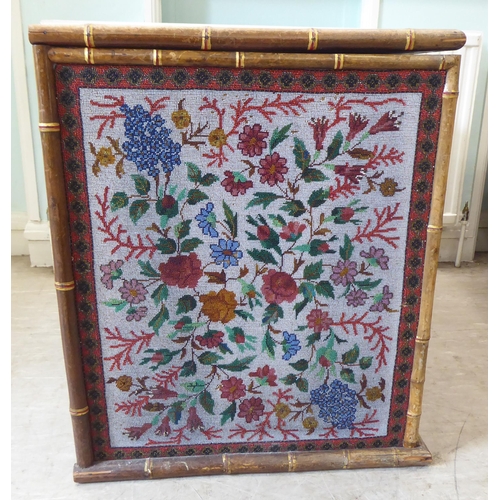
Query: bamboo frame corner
x=414, y=452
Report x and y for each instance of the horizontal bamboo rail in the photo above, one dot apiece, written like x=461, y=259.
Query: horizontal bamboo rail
x=198, y=58
x=160, y=468
x=228, y=38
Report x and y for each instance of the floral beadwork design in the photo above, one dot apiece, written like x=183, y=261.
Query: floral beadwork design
x=248, y=256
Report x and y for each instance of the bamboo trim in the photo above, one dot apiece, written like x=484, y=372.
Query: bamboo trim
x=49, y=127
x=313, y=39
x=89, y=55
x=194, y=37
x=116, y=470
x=434, y=230
x=60, y=228
x=64, y=286
x=240, y=59
x=79, y=412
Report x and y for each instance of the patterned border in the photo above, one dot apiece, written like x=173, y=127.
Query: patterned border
x=69, y=78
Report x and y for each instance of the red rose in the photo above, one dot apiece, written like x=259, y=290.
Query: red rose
x=183, y=271
x=279, y=287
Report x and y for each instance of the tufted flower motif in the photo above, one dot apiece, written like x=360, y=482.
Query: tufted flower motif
x=344, y=272
x=133, y=292
x=252, y=140
x=217, y=138
x=337, y=404
x=272, y=169
x=319, y=320
x=149, y=142
x=232, y=389
x=251, y=409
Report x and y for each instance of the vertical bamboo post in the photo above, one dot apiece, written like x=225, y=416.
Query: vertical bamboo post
x=434, y=231
x=60, y=233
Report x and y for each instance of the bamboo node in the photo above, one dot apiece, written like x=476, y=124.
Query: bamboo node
x=443, y=62
x=450, y=93
x=78, y=412
x=88, y=36
x=347, y=459
x=339, y=61
x=64, y=286
x=434, y=229
x=206, y=43
x=226, y=464
x=292, y=461
x=49, y=127
x=148, y=468
x=410, y=40
x=313, y=39
x=89, y=55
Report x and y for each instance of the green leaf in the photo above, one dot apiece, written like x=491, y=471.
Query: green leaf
x=313, y=338
x=194, y=386
x=147, y=269
x=302, y=385
x=175, y=412
x=142, y=185
x=351, y=356
x=190, y=244
x=208, y=180
x=302, y=156
x=278, y=220
x=365, y=362
x=244, y=314
x=160, y=318
x=368, y=284
x=313, y=271
x=301, y=365
x=347, y=375
x=262, y=256
x=228, y=413
x=268, y=344
x=272, y=313
x=195, y=196
x=290, y=379
x=188, y=369
x=295, y=208
x=313, y=175
x=166, y=245
x=307, y=290
x=231, y=220
x=209, y=358
x=264, y=199
x=333, y=149
x=119, y=200
x=207, y=401
x=238, y=365
x=181, y=230
x=279, y=135
x=346, y=250
x=318, y=197
x=194, y=173
x=325, y=289
x=185, y=304
x=117, y=304
x=138, y=209
x=160, y=294
x=299, y=306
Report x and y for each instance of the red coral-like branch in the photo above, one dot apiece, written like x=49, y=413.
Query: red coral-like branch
x=116, y=102
x=127, y=345
x=168, y=378
x=387, y=158
x=362, y=429
x=156, y=105
x=345, y=188
x=331, y=433
x=380, y=229
x=132, y=408
x=119, y=235
x=380, y=344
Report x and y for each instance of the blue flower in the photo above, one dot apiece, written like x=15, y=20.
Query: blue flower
x=226, y=253
x=206, y=221
x=149, y=141
x=337, y=404
x=291, y=345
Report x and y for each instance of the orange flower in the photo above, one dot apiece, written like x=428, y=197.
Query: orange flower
x=219, y=306
x=310, y=423
x=124, y=383
x=282, y=410
x=217, y=138
x=105, y=157
x=181, y=118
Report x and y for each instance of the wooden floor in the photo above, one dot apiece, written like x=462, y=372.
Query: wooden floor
x=454, y=421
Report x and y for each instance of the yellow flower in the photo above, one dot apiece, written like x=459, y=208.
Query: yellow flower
x=217, y=138
x=219, y=306
x=105, y=157
x=389, y=187
x=373, y=393
x=282, y=410
x=310, y=423
x=181, y=118
x=124, y=383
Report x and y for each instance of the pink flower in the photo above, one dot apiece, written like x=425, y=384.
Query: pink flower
x=111, y=272
x=235, y=186
x=137, y=314
x=211, y=339
x=272, y=169
x=353, y=172
x=263, y=233
x=388, y=122
x=251, y=409
x=320, y=128
x=194, y=422
x=133, y=292
x=183, y=271
x=344, y=272
x=252, y=140
x=265, y=375
x=137, y=432
x=356, y=298
x=293, y=231
x=357, y=123
x=319, y=320
x=279, y=287
x=164, y=428
x=232, y=389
